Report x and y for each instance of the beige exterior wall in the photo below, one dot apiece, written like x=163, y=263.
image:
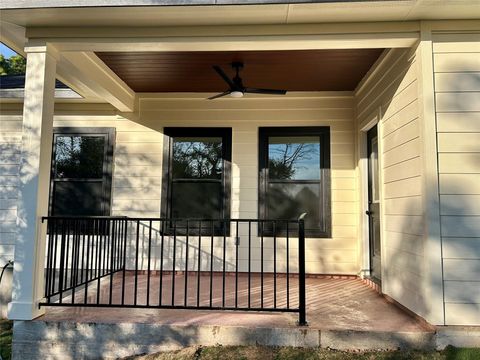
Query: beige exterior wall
x=456, y=60
x=139, y=151
x=10, y=144
x=390, y=95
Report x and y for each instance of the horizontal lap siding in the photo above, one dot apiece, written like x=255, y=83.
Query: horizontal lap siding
x=457, y=95
x=394, y=90
x=10, y=146
x=137, y=171
x=137, y=160
x=336, y=255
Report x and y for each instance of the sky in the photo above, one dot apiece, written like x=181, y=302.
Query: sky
x=6, y=51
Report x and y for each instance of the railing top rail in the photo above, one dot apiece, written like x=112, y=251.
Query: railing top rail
x=165, y=219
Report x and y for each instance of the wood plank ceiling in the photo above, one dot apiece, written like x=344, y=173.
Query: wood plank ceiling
x=299, y=70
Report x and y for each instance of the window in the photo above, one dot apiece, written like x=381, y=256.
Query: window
x=295, y=177
x=81, y=177
x=196, y=179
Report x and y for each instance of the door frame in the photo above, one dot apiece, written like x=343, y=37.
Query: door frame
x=364, y=127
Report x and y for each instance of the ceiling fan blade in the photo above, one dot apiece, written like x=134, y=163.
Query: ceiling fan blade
x=224, y=76
x=265, y=91
x=219, y=95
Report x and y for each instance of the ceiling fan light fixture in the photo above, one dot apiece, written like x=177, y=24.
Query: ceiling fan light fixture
x=236, y=94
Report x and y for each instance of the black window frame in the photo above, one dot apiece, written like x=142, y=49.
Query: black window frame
x=167, y=176
x=324, y=134
x=107, y=179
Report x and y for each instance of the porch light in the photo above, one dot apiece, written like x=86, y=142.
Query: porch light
x=236, y=94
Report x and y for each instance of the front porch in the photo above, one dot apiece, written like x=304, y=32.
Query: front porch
x=343, y=313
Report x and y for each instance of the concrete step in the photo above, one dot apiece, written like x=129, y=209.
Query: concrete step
x=93, y=340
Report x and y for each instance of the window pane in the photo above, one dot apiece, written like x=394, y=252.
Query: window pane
x=294, y=158
x=77, y=198
x=79, y=157
x=289, y=201
x=196, y=200
x=197, y=158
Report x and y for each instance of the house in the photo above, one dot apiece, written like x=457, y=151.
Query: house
x=370, y=125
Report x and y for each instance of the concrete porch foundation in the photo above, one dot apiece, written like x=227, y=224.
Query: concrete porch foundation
x=342, y=314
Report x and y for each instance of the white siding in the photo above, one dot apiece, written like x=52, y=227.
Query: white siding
x=457, y=95
x=138, y=155
x=10, y=143
x=392, y=91
x=336, y=255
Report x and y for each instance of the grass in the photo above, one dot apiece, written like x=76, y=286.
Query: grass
x=287, y=353
x=6, y=332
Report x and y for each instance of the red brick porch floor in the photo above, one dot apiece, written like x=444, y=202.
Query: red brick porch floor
x=332, y=304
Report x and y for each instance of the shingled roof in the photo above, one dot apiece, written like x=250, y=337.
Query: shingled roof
x=18, y=82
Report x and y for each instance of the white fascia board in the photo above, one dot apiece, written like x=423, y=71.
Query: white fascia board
x=239, y=43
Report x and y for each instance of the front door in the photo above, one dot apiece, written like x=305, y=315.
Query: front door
x=374, y=204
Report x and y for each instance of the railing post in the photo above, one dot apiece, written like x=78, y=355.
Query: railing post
x=302, y=317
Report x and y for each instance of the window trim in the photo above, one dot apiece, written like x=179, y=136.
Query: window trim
x=107, y=178
x=169, y=132
x=324, y=133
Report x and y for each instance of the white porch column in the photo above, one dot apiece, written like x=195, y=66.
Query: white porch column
x=29, y=257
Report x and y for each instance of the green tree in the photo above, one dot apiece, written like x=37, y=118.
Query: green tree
x=4, y=65
x=18, y=65
x=14, y=65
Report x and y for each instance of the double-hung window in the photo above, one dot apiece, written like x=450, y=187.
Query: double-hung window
x=295, y=177
x=81, y=176
x=196, y=179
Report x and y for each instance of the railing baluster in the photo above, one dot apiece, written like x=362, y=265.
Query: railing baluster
x=199, y=260
x=61, y=267
x=149, y=260
x=99, y=254
x=111, y=227
x=87, y=229
x=74, y=248
x=301, y=272
x=105, y=246
x=49, y=259
x=211, y=262
x=249, y=262
x=125, y=239
x=48, y=270
x=274, y=264
x=261, y=262
x=160, y=289
x=185, y=292
x=224, y=258
x=174, y=258
x=137, y=242
x=52, y=290
x=75, y=258
x=288, y=267
x=67, y=250
x=237, y=243
x=82, y=234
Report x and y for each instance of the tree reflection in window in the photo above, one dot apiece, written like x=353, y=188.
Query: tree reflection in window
x=294, y=158
x=79, y=157
x=197, y=158
x=294, y=177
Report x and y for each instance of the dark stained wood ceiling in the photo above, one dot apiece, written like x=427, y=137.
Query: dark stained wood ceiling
x=302, y=70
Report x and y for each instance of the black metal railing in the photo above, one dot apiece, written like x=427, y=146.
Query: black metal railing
x=234, y=264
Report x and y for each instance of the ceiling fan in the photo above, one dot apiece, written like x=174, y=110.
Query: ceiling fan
x=236, y=85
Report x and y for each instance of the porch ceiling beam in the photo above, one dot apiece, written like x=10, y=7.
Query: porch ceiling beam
x=221, y=30
x=88, y=73
x=239, y=43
